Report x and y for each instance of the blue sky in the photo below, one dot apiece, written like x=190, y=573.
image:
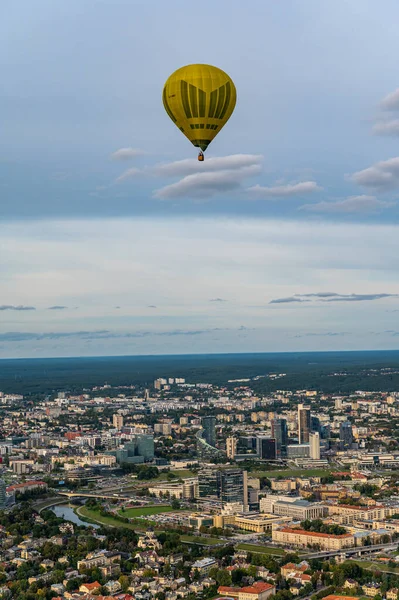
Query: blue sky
x=115, y=240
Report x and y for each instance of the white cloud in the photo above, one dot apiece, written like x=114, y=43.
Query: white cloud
x=191, y=166
x=391, y=101
x=208, y=184
x=353, y=204
x=382, y=176
x=285, y=191
x=128, y=174
x=386, y=127
x=127, y=153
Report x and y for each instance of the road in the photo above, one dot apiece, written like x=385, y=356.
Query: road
x=353, y=551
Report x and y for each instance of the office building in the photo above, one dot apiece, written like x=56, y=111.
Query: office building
x=315, y=425
x=245, y=491
x=231, y=447
x=303, y=424
x=226, y=485
x=314, y=446
x=298, y=451
x=266, y=448
x=300, y=510
x=139, y=449
x=208, y=483
x=345, y=435
x=117, y=421
x=2, y=494
x=280, y=434
x=209, y=427
x=232, y=485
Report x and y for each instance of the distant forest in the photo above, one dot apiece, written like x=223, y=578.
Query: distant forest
x=370, y=371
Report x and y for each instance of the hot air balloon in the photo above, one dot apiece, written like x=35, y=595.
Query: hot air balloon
x=200, y=100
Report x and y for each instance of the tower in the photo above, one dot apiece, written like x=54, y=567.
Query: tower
x=2, y=494
x=209, y=427
x=303, y=424
x=345, y=435
x=231, y=447
x=280, y=434
x=266, y=448
x=117, y=421
x=314, y=446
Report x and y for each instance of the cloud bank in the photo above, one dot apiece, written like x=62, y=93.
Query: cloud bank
x=332, y=297
x=285, y=191
x=17, y=308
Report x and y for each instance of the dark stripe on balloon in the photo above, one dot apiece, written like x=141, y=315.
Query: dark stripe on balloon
x=184, y=97
x=166, y=105
x=212, y=104
x=219, y=108
x=227, y=101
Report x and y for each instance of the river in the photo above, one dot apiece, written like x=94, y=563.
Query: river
x=65, y=511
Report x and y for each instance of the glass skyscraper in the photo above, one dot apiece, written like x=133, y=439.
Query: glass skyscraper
x=280, y=434
x=303, y=424
x=226, y=485
x=345, y=435
x=209, y=427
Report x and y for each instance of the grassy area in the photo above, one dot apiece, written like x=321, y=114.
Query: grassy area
x=143, y=511
x=294, y=473
x=94, y=516
x=260, y=549
x=179, y=474
x=376, y=566
x=203, y=541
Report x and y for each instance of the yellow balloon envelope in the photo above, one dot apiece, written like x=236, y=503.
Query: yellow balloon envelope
x=200, y=100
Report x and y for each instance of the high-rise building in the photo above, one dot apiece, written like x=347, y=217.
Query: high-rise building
x=303, y=424
x=163, y=428
x=345, y=435
x=209, y=427
x=232, y=485
x=117, y=421
x=338, y=403
x=280, y=434
x=315, y=425
x=266, y=448
x=245, y=490
x=314, y=445
x=159, y=383
x=231, y=447
x=208, y=483
x=2, y=494
x=226, y=485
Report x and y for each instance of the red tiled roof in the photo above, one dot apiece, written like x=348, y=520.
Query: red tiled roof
x=91, y=586
x=354, y=507
x=257, y=588
x=314, y=533
x=19, y=486
x=334, y=597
